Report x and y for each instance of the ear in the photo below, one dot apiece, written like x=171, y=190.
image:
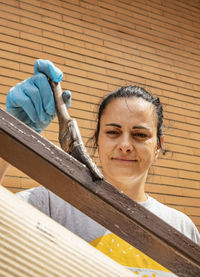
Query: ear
x=162, y=138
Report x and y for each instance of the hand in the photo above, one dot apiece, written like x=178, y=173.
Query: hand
x=32, y=100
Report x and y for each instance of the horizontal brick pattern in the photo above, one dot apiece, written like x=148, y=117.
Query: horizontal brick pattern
x=102, y=45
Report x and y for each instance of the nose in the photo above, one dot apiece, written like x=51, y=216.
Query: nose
x=125, y=145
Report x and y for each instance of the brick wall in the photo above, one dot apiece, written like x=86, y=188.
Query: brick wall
x=102, y=45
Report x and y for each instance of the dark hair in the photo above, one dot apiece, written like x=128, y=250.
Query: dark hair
x=127, y=92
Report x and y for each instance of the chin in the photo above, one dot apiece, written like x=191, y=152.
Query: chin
x=120, y=175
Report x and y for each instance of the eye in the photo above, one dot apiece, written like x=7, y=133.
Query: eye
x=112, y=132
x=140, y=135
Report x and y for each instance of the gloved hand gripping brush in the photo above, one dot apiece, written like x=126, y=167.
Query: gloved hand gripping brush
x=33, y=102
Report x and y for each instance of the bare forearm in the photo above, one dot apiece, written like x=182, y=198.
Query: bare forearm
x=3, y=169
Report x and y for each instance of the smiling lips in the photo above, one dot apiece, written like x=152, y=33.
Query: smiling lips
x=123, y=159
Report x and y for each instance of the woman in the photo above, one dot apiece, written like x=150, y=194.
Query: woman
x=129, y=136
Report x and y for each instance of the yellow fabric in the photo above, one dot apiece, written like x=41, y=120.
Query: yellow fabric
x=124, y=253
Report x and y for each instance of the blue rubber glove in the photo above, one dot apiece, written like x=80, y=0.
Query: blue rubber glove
x=32, y=101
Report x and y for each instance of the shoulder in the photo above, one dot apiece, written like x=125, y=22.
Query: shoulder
x=39, y=197
x=33, y=194
x=175, y=218
x=48, y=203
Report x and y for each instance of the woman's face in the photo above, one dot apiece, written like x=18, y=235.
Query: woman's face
x=127, y=141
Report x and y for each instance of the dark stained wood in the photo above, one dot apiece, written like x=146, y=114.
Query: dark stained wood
x=71, y=180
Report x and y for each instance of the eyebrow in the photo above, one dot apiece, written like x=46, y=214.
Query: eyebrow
x=134, y=127
x=114, y=125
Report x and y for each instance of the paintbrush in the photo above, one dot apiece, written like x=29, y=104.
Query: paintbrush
x=69, y=135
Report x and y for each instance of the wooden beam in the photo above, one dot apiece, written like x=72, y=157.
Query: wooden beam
x=71, y=180
x=32, y=244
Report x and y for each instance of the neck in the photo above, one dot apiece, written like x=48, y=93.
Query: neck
x=132, y=188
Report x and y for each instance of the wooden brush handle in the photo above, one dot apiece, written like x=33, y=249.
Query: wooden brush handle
x=61, y=108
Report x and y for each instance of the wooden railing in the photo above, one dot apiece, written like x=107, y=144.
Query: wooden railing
x=71, y=180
